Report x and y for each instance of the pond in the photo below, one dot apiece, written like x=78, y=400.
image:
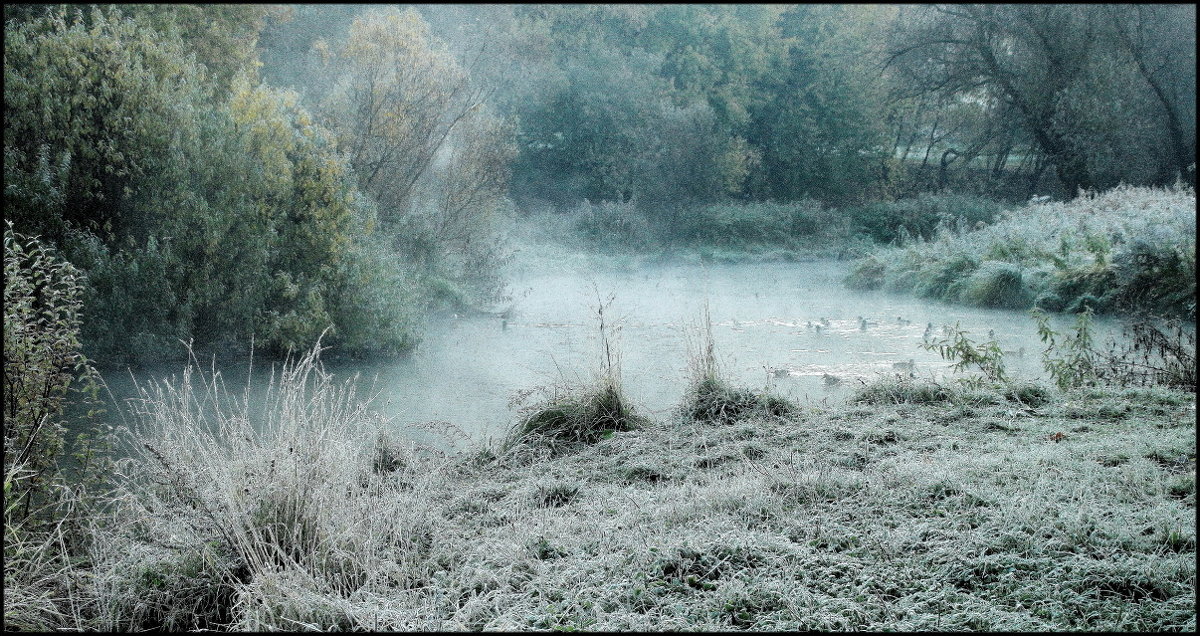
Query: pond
x=790, y=327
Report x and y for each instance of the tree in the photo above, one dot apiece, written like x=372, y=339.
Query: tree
x=639, y=102
x=222, y=36
x=817, y=123
x=1027, y=55
x=401, y=96
x=1161, y=42
x=1102, y=91
x=97, y=105
x=196, y=213
x=423, y=142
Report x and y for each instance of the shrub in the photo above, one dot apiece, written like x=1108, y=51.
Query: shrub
x=866, y=274
x=956, y=346
x=1127, y=249
x=614, y=224
x=572, y=416
x=711, y=399
x=1148, y=354
x=282, y=484
x=1158, y=274
x=1162, y=355
x=887, y=222
x=43, y=365
x=1049, y=301
x=144, y=588
x=752, y=225
x=1086, y=303
x=1030, y=393
x=375, y=301
x=215, y=216
x=942, y=278
x=996, y=284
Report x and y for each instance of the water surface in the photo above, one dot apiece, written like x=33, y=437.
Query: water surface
x=790, y=327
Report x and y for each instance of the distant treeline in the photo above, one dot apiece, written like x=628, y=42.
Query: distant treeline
x=222, y=172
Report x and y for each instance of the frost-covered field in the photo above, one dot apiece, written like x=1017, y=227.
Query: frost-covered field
x=975, y=511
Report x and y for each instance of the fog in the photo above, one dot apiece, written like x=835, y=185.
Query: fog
x=791, y=328
x=658, y=131
x=599, y=317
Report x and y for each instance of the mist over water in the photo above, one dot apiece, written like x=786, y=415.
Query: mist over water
x=765, y=317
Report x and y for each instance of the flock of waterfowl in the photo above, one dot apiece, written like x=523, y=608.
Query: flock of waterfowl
x=907, y=366
x=821, y=325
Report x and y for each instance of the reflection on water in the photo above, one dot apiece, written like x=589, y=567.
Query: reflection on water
x=791, y=327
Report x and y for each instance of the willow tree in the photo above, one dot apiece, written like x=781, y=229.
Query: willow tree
x=422, y=139
x=1082, y=80
x=1027, y=55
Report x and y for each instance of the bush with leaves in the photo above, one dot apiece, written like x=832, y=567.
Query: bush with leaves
x=921, y=216
x=43, y=367
x=1078, y=362
x=1150, y=353
x=966, y=353
x=199, y=214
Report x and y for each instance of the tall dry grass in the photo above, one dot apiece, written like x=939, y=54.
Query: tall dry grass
x=248, y=496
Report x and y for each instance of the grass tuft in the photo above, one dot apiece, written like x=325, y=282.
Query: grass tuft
x=905, y=390
x=576, y=417
x=711, y=399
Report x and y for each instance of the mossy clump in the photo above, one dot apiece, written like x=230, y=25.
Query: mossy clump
x=575, y=418
x=943, y=278
x=866, y=275
x=712, y=400
x=1049, y=301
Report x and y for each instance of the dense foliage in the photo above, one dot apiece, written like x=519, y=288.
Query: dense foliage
x=42, y=366
x=1126, y=250
x=200, y=209
x=44, y=370
x=226, y=173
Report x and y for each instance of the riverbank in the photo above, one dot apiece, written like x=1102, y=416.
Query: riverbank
x=1126, y=250
x=969, y=510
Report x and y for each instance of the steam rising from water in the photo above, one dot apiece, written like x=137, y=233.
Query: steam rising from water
x=789, y=326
